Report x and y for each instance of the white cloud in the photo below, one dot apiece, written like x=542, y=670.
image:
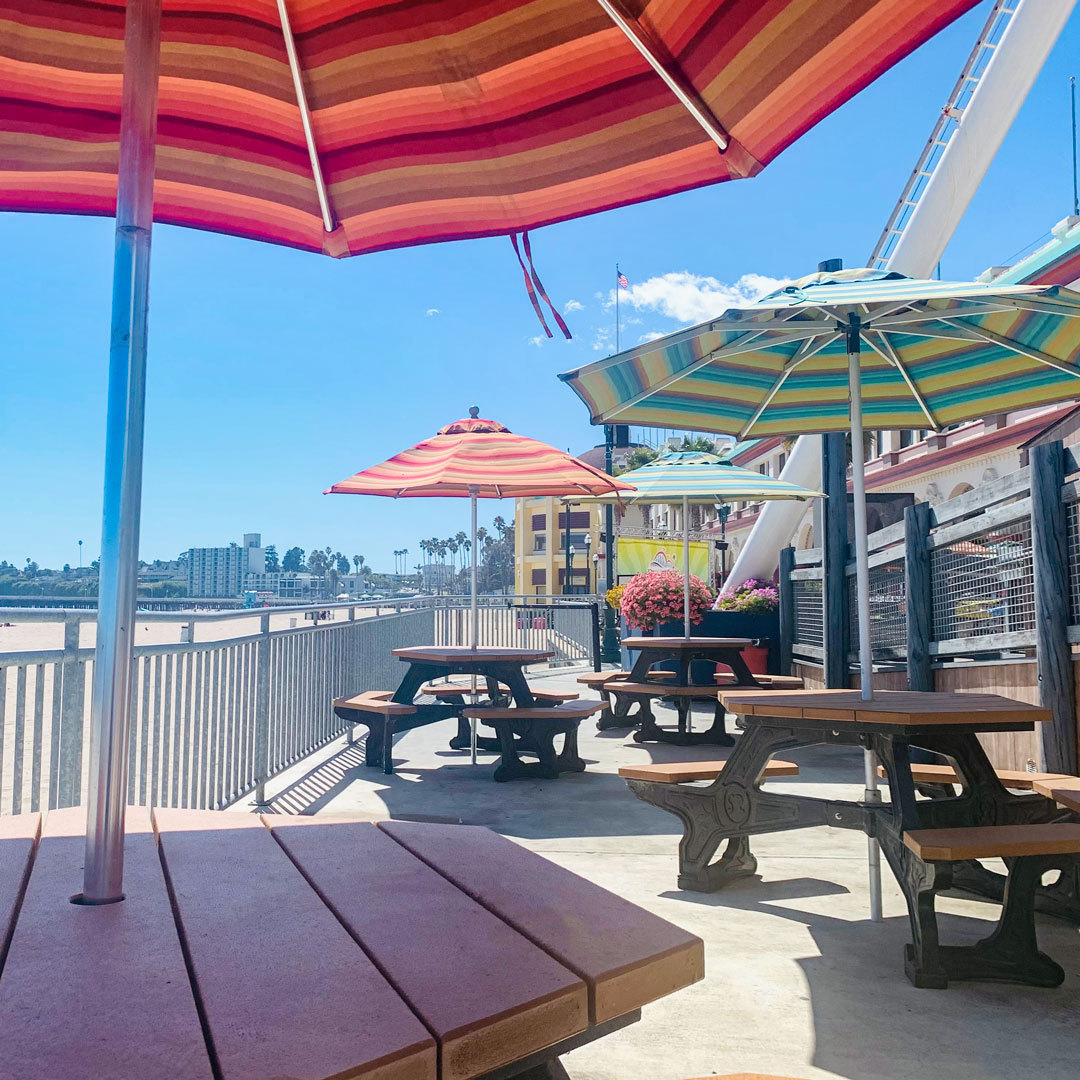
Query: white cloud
x=690, y=298
x=573, y=305
x=652, y=335
x=431, y=311
x=538, y=341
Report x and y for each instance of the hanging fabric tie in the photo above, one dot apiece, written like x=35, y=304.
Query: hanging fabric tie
x=533, y=285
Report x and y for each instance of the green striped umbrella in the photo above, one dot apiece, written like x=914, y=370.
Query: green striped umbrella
x=695, y=477
x=840, y=347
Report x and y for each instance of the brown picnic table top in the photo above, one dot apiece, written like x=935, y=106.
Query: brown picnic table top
x=256, y=946
x=677, y=644
x=462, y=654
x=893, y=707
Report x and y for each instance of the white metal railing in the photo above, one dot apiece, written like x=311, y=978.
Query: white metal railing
x=224, y=700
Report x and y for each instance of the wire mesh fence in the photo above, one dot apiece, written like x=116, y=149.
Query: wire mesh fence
x=984, y=585
x=809, y=612
x=1072, y=535
x=888, y=611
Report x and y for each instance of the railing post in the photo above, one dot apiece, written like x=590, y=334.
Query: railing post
x=262, y=710
x=1050, y=557
x=918, y=591
x=787, y=609
x=72, y=698
x=595, y=609
x=834, y=549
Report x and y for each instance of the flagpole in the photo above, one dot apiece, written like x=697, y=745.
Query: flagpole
x=616, y=307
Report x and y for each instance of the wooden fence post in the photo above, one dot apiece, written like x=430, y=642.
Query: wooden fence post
x=834, y=548
x=787, y=609
x=919, y=595
x=1050, y=557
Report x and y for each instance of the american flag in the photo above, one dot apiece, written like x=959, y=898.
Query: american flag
x=623, y=281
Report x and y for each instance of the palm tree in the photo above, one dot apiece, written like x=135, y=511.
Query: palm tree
x=481, y=537
x=452, y=546
x=358, y=561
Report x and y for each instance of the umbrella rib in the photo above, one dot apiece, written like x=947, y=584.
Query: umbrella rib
x=747, y=343
x=886, y=350
x=924, y=314
x=804, y=352
x=329, y=222
x=674, y=80
x=1019, y=347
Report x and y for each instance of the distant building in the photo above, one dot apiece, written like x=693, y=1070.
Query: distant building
x=285, y=584
x=437, y=575
x=222, y=572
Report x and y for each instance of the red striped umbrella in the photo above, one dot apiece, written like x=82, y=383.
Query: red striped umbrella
x=479, y=459
x=347, y=126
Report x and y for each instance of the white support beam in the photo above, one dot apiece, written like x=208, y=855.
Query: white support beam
x=329, y=222
x=687, y=95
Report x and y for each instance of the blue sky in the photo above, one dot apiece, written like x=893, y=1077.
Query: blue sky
x=274, y=373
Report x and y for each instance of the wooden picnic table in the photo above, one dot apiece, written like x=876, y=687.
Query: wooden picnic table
x=655, y=650
x=429, y=662
x=734, y=807
x=252, y=947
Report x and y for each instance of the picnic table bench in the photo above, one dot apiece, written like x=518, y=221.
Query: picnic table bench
x=257, y=946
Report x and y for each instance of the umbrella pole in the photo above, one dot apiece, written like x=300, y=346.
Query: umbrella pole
x=686, y=566
x=474, y=633
x=862, y=582
x=110, y=717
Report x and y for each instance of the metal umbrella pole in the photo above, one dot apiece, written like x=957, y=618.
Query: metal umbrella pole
x=475, y=634
x=110, y=717
x=686, y=566
x=862, y=583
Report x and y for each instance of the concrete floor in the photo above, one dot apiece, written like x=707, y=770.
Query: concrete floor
x=798, y=982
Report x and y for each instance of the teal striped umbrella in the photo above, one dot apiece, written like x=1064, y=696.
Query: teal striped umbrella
x=696, y=477
x=839, y=348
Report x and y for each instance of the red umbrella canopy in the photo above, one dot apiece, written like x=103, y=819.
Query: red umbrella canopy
x=347, y=126
x=483, y=458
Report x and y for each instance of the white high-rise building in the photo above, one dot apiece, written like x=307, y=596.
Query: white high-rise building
x=220, y=572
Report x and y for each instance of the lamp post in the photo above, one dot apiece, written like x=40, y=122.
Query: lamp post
x=596, y=572
x=609, y=652
x=566, y=548
x=570, y=551
x=588, y=548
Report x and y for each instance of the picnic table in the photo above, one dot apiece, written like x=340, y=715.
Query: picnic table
x=734, y=807
x=500, y=665
x=655, y=650
x=269, y=946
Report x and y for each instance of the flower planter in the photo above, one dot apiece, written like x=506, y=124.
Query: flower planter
x=761, y=660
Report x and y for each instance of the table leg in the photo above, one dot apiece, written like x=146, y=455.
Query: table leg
x=514, y=677
x=646, y=658
x=569, y=760
x=743, y=675
x=733, y=808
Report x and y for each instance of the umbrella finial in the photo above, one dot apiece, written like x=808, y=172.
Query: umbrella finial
x=474, y=411
x=830, y=266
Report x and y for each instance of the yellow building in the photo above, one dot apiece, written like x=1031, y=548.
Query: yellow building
x=540, y=546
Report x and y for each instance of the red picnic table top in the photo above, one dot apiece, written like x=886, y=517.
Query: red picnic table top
x=255, y=946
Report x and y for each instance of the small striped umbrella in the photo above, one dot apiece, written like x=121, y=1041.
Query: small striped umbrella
x=838, y=349
x=696, y=477
x=478, y=459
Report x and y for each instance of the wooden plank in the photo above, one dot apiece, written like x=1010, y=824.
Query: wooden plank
x=448, y=654
x=489, y=995
x=681, y=772
x=834, y=510
x=679, y=644
x=627, y=956
x=1050, y=561
x=889, y=706
x=1062, y=789
x=577, y=709
x=664, y=690
x=1017, y=779
x=920, y=602
x=994, y=841
x=376, y=701
x=991, y=519
x=285, y=989
x=92, y=992
x=18, y=835
x=787, y=608
x=1004, y=487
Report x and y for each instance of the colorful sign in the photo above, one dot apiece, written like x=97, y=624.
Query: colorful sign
x=636, y=556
